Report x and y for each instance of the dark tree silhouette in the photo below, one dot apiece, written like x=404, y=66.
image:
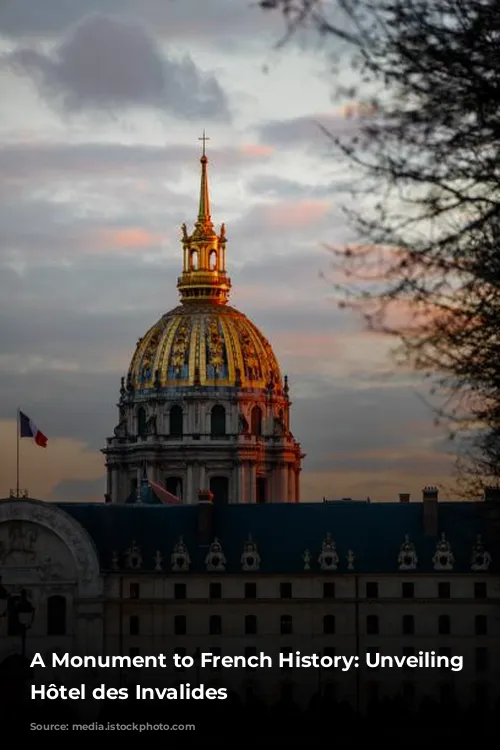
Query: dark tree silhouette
x=427, y=267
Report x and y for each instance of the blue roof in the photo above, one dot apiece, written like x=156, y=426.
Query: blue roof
x=282, y=532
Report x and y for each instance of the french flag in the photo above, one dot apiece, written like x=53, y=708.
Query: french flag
x=28, y=429
x=163, y=494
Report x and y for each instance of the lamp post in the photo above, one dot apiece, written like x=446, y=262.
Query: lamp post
x=25, y=613
x=20, y=607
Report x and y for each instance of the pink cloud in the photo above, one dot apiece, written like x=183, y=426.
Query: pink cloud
x=128, y=238
x=295, y=213
x=256, y=150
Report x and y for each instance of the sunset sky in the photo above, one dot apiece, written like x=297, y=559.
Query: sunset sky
x=102, y=103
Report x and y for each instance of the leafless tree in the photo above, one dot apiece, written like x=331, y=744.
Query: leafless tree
x=427, y=268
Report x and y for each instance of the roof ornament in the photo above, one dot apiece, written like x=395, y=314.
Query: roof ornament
x=307, y=557
x=250, y=558
x=215, y=559
x=407, y=558
x=443, y=558
x=481, y=558
x=351, y=559
x=179, y=558
x=158, y=561
x=328, y=559
x=133, y=557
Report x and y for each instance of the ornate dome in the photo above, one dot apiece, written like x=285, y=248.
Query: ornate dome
x=204, y=342
x=204, y=345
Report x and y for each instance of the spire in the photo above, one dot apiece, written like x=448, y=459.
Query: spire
x=204, y=218
x=204, y=276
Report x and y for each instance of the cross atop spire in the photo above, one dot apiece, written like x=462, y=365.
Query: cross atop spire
x=204, y=138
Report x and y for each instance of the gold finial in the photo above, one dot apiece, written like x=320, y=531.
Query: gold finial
x=204, y=221
x=204, y=138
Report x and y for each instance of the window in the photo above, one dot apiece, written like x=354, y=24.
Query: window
x=444, y=625
x=250, y=651
x=134, y=651
x=329, y=651
x=446, y=652
x=142, y=422
x=218, y=421
x=250, y=625
x=372, y=590
x=408, y=625
x=215, y=651
x=56, y=615
x=480, y=590
x=444, y=590
x=372, y=625
x=408, y=590
x=371, y=655
x=481, y=625
x=180, y=625
x=175, y=421
x=329, y=624
x=408, y=651
x=180, y=651
x=215, y=591
x=179, y=591
x=285, y=590
x=329, y=590
x=285, y=651
x=215, y=625
x=482, y=660
x=286, y=625
x=250, y=591
x=133, y=625
x=219, y=487
x=134, y=590
x=256, y=421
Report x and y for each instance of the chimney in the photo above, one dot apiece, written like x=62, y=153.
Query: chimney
x=404, y=497
x=430, y=510
x=205, y=518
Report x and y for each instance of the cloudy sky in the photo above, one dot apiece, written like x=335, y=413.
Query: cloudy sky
x=101, y=106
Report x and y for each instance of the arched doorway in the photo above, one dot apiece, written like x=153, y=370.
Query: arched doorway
x=219, y=487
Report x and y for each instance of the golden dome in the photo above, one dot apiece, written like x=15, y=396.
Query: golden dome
x=204, y=341
x=204, y=345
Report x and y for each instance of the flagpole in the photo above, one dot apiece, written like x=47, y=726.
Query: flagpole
x=18, y=423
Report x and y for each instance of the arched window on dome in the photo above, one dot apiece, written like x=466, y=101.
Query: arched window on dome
x=256, y=420
x=212, y=260
x=141, y=422
x=176, y=420
x=218, y=421
x=193, y=260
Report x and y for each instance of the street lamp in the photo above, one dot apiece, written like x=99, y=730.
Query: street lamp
x=22, y=610
x=25, y=613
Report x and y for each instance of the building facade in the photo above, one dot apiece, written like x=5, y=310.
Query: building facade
x=330, y=579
